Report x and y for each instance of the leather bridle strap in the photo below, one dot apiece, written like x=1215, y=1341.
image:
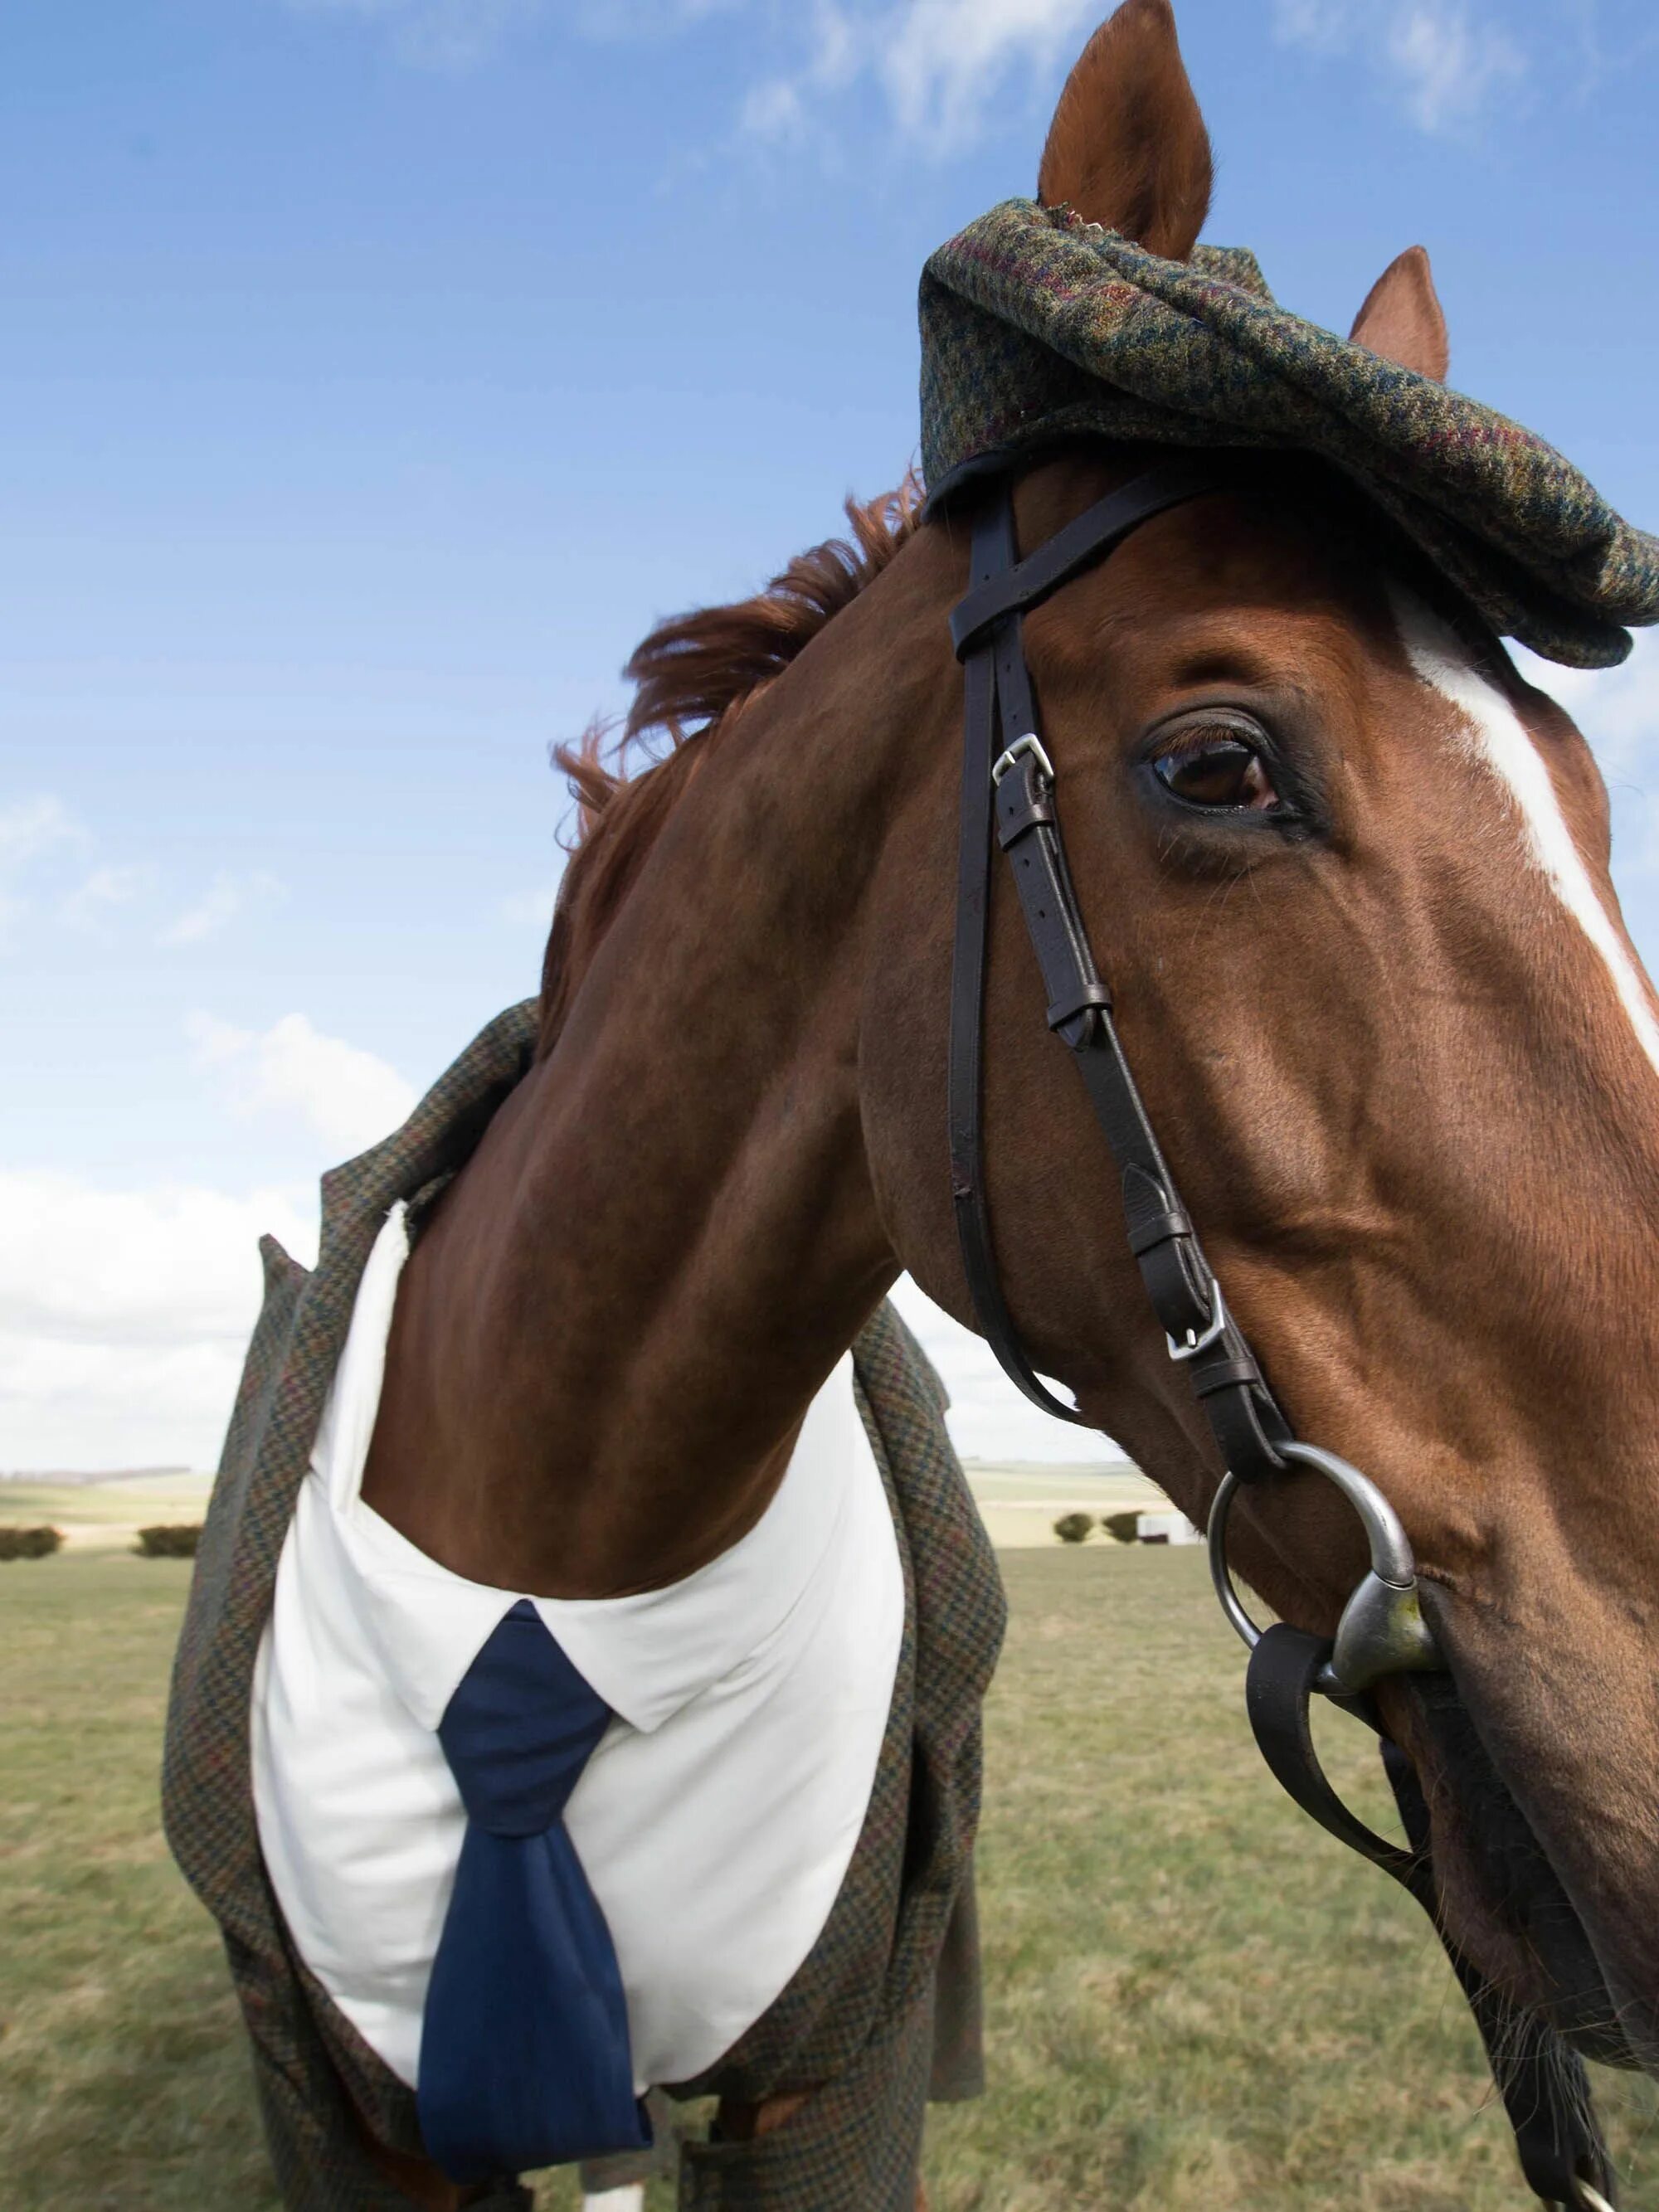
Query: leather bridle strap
x=1543, y=2084
x=1019, y=585
x=1007, y=787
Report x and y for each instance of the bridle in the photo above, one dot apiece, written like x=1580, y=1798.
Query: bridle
x=1008, y=791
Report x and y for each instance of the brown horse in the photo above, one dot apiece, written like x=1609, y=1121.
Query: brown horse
x=1348, y=874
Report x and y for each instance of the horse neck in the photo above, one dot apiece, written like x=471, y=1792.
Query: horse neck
x=606, y=1338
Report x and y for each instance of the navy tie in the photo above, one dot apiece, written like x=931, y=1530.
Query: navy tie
x=525, y=2058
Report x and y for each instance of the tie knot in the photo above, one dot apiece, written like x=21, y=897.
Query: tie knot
x=521, y=1727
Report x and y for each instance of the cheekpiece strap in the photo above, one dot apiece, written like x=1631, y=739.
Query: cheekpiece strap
x=1008, y=794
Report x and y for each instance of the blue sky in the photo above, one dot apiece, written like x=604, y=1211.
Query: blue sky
x=377, y=371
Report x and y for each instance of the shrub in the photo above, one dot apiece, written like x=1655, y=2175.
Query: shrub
x=1072, y=1528
x=29, y=1543
x=174, y=1540
x=1122, y=1528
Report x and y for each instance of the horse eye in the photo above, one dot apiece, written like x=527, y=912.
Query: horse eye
x=1215, y=768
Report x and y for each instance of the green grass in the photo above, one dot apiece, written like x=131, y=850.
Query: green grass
x=1195, y=1999
x=120, y=2082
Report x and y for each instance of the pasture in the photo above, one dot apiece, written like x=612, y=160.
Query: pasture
x=1195, y=1999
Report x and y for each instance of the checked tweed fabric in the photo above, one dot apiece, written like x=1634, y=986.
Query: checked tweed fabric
x=1036, y=326
x=884, y=2011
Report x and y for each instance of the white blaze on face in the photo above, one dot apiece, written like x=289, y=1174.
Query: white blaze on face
x=1500, y=740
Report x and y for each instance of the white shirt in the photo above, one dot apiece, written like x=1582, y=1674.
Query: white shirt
x=716, y=1819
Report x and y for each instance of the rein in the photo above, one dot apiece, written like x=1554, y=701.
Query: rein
x=1009, y=792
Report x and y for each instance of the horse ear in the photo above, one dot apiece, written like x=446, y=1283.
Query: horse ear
x=1128, y=147
x=1402, y=318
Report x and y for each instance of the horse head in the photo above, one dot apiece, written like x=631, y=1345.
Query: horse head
x=1346, y=871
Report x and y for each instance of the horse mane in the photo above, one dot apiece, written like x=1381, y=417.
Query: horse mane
x=693, y=674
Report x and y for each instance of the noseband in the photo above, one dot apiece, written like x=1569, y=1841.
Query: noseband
x=1009, y=792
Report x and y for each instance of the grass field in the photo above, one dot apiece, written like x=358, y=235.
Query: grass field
x=1195, y=1999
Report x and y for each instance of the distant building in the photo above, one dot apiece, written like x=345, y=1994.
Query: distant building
x=1167, y=1527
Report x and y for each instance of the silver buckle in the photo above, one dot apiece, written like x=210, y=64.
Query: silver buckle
x=1195, y=1344
x=1031, y=743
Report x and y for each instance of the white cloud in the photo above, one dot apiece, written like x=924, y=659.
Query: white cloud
x=644, y=19
x=943, y=61
x=1450, y=68
x=89, y=904
x=226, y=898
x=32, y=830
x=1446, y=61
x=139, y=1269
x=49, y=868
x=29, y=827
x=44, y=847
x=939, y=64
x=125, y=1314
x=347, y=1096
x=435, y=35
x=1327, y=26
x=774, y=110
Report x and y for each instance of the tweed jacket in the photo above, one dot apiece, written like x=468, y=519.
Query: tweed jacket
x=856, y=2025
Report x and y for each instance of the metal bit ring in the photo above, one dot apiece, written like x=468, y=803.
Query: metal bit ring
x=1382, y=1631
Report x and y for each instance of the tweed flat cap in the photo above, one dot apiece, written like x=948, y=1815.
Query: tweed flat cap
x=1036, y=326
